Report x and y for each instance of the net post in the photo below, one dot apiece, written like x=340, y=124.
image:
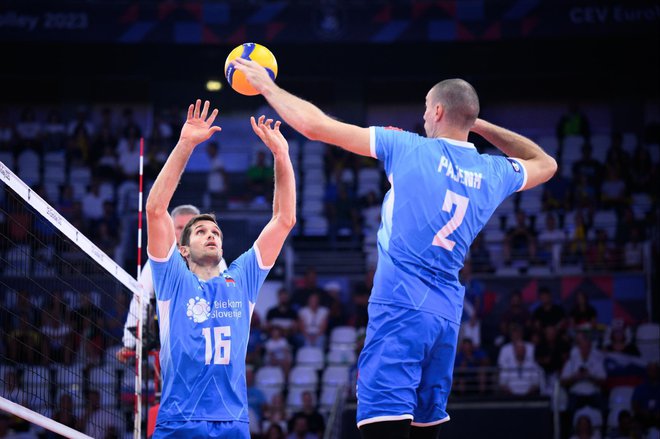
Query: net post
x=137, y=425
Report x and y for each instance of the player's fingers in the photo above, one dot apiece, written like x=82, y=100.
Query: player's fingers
x=190, y=111
x=277, y=125
x=269, y=122
x=212, y=117
x=205, y=110
x=198, y=104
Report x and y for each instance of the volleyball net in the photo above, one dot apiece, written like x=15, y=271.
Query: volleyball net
x=63, y=304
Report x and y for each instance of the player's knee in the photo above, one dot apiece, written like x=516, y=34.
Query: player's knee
x=386, y=430
x=432, y=432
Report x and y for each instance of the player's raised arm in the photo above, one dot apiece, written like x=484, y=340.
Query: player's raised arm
x=160, y=228
x=272, y=238
x=303, y=116
x=539, y=165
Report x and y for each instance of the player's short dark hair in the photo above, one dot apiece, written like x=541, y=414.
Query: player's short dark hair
x=459, y=99
x=187, y=230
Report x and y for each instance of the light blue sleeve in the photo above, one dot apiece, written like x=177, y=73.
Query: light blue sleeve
x=512, y=173
x=168, y=274
x=249, y=272
x=388, y=143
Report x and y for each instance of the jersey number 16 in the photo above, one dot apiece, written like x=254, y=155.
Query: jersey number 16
x=221, y=349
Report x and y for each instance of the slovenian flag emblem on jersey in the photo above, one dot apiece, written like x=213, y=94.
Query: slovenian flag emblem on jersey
x=229, y=281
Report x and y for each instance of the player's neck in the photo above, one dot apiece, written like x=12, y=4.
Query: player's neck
x=205, y=271
x=449, y=132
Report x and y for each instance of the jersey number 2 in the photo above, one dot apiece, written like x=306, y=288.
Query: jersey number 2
x=220, y=350
x=461, y=203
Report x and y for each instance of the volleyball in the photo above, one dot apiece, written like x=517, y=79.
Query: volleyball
x=255, y=52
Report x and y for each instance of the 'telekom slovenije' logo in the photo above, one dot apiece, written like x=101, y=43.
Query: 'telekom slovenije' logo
x=199, y=310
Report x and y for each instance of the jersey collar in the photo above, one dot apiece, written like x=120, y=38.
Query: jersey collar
x=460, y=143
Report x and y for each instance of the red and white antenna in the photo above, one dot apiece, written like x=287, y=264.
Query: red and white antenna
x=137, y=423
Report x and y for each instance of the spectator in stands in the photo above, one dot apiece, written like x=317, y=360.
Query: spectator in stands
x=59, y=334
x=274, y=431
x=551, y=353
x=506, y=358
x=65, y=414
x=300, y=429
x=107, y=166
x=282, y=314
x=577, y=236
x=625, y=427
x=469, y=372
x=617, y=157
x=583, y=315
x=29, y=130
x=54, y=132
x=633, y=251
x=573, y=123
x=256, y=399
x=584, y=429
x=520, y=241
x=128, y=153
x=601, y=254
x=646, y=400
x=343, y=215
x=80, y=133
x=216, y=181
x=305, y=287
x=480, y=257
x=260, y=179
x=97, y=422
x=92, y=205
x=642, y=163
x=278, y=350
x=548, y=313
x=588, y=170
x=551, y=239
x=617, y=343
x=275, y=413
x=625, y=224
x=523, y=377
x=613, y=192
x=515, y=318
x=584, y=374
x=473, y=304
x=557, y=193
x=315, y=420
x=313, y=321
x=89, y=325
x=129, y=125
x=256, y=342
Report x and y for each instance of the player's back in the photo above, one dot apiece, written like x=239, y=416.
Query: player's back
x=443, y=192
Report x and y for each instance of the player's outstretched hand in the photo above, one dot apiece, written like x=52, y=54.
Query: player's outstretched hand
x=199, y=125
x=256, y=74
x=271, y=136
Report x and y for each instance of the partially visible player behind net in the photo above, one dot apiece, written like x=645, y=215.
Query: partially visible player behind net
x=62, y=301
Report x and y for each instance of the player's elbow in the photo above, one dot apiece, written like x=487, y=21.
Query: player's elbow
x=287, y=221
x=154, y=209
x=549, y=167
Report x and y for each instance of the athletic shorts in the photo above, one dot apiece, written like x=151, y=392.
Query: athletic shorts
x=202, y=429
x=405, y=368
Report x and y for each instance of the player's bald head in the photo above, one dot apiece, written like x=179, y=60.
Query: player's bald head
x=459, y=100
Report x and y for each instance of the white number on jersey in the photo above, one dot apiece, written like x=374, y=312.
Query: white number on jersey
x=220, y=350
x=461, y=203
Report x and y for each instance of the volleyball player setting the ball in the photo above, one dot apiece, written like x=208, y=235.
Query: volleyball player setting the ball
x=442, y=193
x=203, y=314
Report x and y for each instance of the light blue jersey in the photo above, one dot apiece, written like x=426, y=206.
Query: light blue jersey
x=442, y=193
x=204, y=330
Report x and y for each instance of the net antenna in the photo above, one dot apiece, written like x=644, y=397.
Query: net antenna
x=137, y=426
x=35, y=204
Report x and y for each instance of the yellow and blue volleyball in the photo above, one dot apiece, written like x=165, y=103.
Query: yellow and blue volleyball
x=255, y=52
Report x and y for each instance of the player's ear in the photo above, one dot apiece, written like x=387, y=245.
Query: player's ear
x=439, y=111
x=184, y=250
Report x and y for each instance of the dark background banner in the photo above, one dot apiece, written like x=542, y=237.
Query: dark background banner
x=229, y=22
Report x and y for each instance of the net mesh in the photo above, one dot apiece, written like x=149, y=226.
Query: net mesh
x=61, y=315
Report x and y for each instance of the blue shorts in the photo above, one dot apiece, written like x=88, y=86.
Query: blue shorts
x=202, y=429
x=405, y=368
